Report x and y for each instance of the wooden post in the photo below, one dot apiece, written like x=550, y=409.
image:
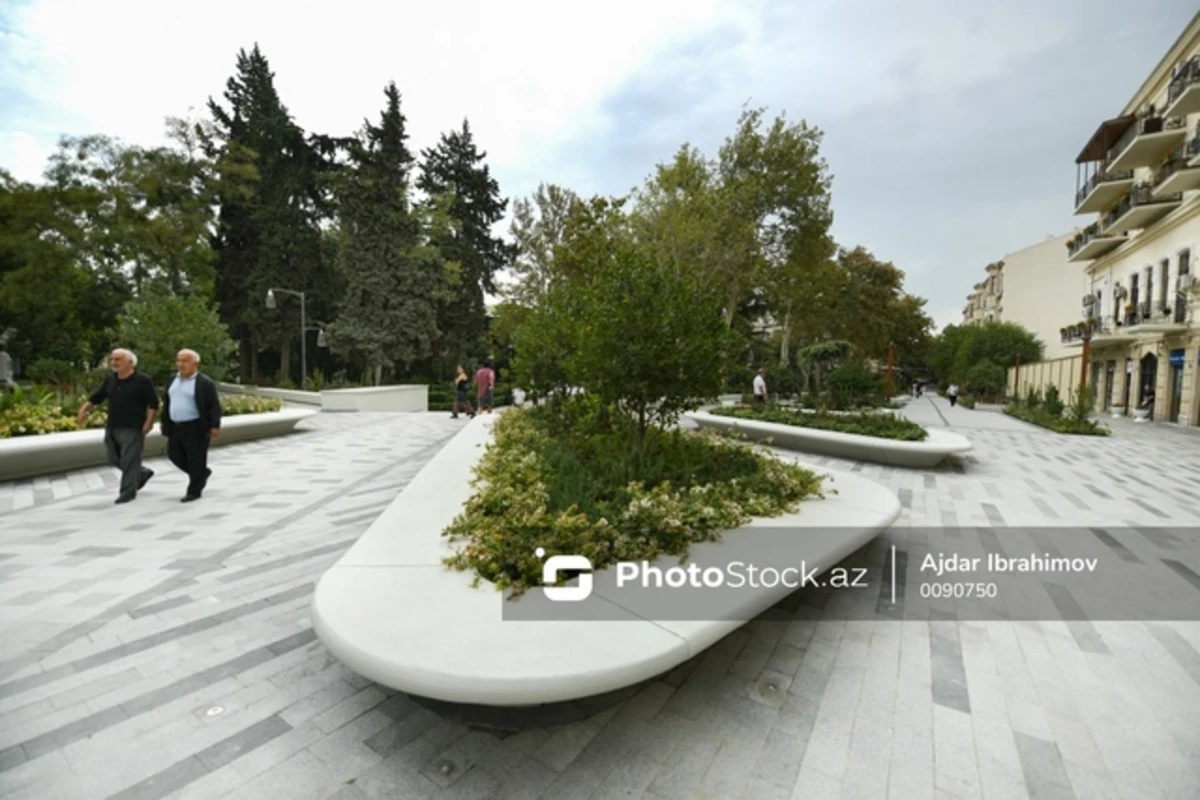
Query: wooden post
x=891, y=358
x=1083, y=362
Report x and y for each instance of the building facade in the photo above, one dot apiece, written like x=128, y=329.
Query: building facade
x=1138, y=324
x=1030, y=287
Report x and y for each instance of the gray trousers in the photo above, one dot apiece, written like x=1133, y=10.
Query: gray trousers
x=124, y=446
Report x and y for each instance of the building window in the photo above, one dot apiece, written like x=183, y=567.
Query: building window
x=1184, y=262
x=1164, y=279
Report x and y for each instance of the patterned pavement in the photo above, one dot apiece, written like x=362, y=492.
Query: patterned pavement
x=159, y=650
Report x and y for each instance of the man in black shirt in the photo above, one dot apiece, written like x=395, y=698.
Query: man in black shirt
x=132, y=402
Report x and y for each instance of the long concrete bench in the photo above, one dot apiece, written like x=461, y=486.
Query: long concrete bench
x=294, y=396
x=392, y=612
x=49, y=453
x=928, y=453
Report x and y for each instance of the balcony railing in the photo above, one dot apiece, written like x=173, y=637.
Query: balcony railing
x=1101, y=176
x=1142, y=127
x=1140, y=195
x=1082, y=238
x=1188, y=76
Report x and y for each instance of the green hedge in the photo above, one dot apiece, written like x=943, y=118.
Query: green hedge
x=1059, y=424
x=883, y=426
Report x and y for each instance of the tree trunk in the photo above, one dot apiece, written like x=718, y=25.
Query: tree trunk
x=787, y=335
x=245, y=361
x=378, y=374
x=285, y=359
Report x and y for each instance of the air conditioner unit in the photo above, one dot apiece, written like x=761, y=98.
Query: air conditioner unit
x=1088, y=300
x=1187, y=281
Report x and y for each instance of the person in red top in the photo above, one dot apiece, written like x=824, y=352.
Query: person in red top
x=485, y=382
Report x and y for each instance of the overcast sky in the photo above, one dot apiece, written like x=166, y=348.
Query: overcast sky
x=951, y=127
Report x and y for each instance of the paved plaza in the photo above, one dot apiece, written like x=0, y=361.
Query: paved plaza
x=157, y=650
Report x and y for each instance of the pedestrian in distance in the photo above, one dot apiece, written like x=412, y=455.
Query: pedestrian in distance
x=485, y=384
x=760, y=387
x=952, y=393
x=132, y=404
x=191, y=419
x=462, y=383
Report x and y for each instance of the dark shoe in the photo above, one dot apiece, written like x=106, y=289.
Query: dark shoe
x=187, y=498
x=125, y=498
x=145, y=477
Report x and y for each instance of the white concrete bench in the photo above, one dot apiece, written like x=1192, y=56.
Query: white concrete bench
x=391, y=611
x=930, y=452
x=49, y=453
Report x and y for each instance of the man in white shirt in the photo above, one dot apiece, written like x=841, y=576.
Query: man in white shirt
x=952, y=393
x=518, y=396
x=760, y=387
x=191, y=420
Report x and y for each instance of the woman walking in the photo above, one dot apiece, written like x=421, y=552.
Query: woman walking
x=462, y=383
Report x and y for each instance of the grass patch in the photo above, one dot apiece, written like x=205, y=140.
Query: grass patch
x=882, y=426
x=577, y=487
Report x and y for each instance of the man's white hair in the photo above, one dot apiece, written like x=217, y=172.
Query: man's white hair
x=191, y=354
x=129, y=354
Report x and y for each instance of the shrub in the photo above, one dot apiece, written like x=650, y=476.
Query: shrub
x=1053, y=404
x=985, y=377
x=233, y=405
x=566, y=481
x=854, y=384
x=967, y=401
x=883, y=426
x=61, y=375
x=1033, y=399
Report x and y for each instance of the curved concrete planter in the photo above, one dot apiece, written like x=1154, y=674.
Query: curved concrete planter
x=286, y=395
x=928, y=453
x=392, y=612
x=27, y=456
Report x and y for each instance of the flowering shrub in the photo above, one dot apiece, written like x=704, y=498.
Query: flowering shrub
x=30, y=415
x=543, y=483
x=234, y=404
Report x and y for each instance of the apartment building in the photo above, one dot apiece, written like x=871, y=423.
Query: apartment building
x=1030, y=287
x=985, y=303
x=1139, y=174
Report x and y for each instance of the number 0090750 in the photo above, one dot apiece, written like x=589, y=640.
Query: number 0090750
x=958, y=590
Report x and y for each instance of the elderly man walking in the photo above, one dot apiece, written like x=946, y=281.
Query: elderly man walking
x=191, y=419
x=132, y=403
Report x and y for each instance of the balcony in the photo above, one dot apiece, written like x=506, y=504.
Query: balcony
x=1156, y=318
x=1180, y=173
x=1102, y=190
x=1103, y=331
x=1146, y=141
x=1090, y=243
x=1183, y=94
x=1140, y=209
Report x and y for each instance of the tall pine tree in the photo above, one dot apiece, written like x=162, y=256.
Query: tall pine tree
x=268, y=232
x=395, y=281
x=454, y=167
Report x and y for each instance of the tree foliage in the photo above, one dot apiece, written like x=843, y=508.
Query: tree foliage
x=961, y=347
x=395, y=281
x=159, y=324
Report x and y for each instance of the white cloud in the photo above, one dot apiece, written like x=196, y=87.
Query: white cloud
x=525, y=74
x=23, y=155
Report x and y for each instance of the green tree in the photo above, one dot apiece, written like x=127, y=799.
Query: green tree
x=649, y=340
x=538, y=227
x=961, y=347
x=870, y=307
x=268, y=230
x=455, y=168
x=159, y=324
x=54, y=301
x=395, y=280
x=984, y=378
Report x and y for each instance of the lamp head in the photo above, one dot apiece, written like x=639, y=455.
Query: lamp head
x=270, y=298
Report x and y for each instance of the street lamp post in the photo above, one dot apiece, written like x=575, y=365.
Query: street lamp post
x=303, y=329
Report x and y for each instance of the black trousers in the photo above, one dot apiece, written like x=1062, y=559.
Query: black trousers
x=187, y=447
x=124, y=447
